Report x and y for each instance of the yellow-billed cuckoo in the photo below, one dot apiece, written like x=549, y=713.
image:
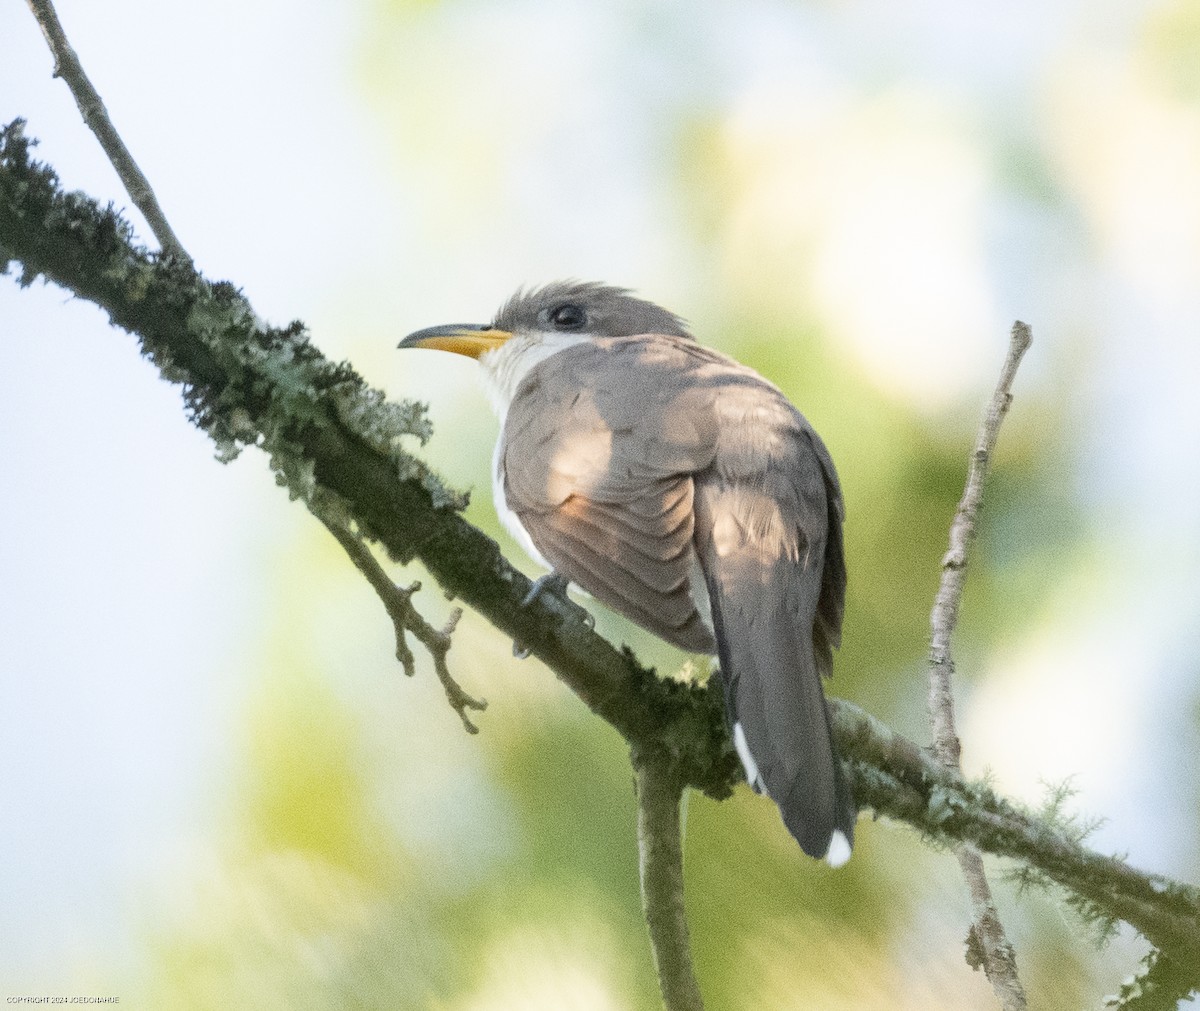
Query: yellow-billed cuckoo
x=683, y=490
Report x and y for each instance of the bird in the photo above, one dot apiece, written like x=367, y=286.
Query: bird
x=686, y=492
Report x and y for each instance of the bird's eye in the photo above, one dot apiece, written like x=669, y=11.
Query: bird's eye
x=568, y=316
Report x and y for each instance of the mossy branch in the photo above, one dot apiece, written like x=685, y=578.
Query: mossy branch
x=246, y=383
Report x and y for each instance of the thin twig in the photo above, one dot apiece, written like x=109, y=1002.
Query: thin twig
x=988, y=945
x=95, y=116
x=660, y=865
x=397, y=601
x=946, y=744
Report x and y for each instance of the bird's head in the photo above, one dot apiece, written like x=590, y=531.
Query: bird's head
x=567, y=309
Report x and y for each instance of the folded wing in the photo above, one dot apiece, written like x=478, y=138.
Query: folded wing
x=602, y=481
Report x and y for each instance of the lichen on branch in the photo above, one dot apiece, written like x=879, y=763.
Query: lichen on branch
x=244, y=382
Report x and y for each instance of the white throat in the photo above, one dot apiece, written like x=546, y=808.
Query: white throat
x=505, y=367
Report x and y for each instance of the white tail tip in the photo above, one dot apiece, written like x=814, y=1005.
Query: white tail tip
x=748, y=762
x=839, y=849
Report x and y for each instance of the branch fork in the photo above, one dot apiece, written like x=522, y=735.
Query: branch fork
x=397, y=601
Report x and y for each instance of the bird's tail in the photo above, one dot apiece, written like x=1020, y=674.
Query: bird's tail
x=764, y=609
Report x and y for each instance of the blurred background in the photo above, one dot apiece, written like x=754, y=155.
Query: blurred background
x=218, y=789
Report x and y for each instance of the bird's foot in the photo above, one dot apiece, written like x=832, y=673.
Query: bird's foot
x=555, y=584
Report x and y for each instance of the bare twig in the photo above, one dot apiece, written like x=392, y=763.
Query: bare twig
x=988, y=946
x=660, y=864
x=946, y=744
x=397, y=601
x=95, y=115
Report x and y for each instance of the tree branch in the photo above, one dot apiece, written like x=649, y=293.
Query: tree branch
x=397, y=601
x=944, y=618
x=899, y=779
x=1159, y=987
x=660, y=865
x=987, y=944
x=248, y=384
x=95, y=116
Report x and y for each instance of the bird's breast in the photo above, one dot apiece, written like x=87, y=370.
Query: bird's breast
x=510, y=520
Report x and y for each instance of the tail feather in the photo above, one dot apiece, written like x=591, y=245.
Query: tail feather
x=777, y=712
x=771, y=550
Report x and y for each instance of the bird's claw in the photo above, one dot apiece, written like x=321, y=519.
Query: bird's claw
x=555, y=584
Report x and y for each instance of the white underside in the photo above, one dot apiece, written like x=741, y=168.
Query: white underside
x=509, y=518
